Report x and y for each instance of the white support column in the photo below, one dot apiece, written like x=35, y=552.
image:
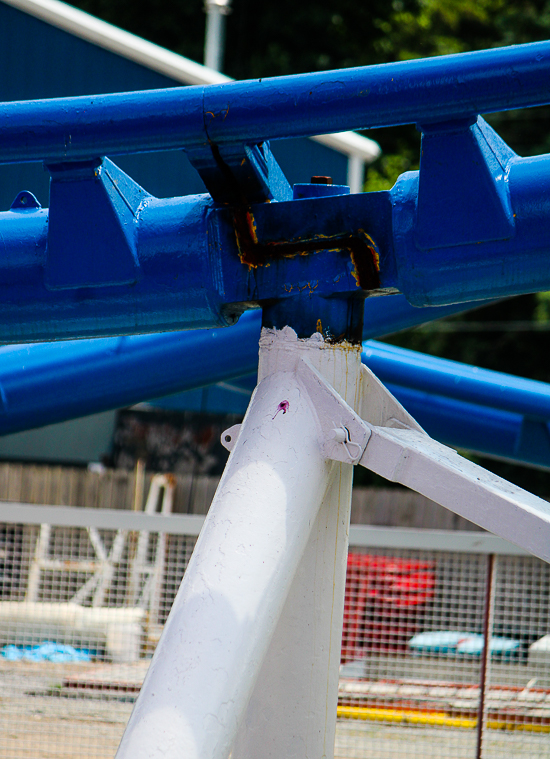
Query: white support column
x=292, y=712
x=356, y=173
x=265, y=513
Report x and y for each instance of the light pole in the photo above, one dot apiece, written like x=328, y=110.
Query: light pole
x=214, y=41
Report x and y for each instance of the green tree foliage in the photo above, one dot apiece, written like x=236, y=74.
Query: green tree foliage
x=283, y=37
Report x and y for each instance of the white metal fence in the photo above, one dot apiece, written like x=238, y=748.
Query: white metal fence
x=84, y=594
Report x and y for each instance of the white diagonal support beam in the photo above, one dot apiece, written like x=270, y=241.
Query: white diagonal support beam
x=394, y=446
x=416, y=460
x=399, y=450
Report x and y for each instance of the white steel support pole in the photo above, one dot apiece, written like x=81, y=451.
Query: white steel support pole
x=292, y=712
x=214, y=41
x=356, y=173
x=275, y=539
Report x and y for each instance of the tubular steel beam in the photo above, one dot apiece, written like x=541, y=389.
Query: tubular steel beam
x=473, y=409
x=108, y=258
x=249, y=112
x=429, y=374
x=45, y=383
x=480, y=429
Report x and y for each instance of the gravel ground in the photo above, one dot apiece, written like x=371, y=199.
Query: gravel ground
x=39, y=719
x=375, y=741
x=38, y=722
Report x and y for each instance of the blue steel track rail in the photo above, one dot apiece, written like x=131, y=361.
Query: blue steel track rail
x=107, y=258
x=249, y=112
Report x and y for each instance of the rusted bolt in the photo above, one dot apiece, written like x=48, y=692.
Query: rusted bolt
x=321, y=180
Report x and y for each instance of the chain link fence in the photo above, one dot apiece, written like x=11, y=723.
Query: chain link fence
x=445, y=654
x=84, y=594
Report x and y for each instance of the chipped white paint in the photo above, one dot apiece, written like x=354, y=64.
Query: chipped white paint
x=265, y=535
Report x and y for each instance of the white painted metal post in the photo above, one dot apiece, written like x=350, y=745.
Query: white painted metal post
x=356, y=173
x=292, y=712
x=214, y=42
x=251, y=547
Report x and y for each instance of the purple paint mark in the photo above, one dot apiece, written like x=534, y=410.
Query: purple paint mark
x=283, y=406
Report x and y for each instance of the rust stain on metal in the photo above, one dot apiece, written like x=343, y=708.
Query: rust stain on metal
x=359, y=273
x=360, y=246
x=373, y=248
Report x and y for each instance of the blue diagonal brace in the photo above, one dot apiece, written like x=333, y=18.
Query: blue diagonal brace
x=241, y=174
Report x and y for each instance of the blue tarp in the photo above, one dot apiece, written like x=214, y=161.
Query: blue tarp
x=46, y=651
x=445, y=641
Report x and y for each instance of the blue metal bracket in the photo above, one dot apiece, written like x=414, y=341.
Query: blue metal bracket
x=311, y=259
x=241, y=174
x=25, y=201
x=92, y=226
x=463, y=185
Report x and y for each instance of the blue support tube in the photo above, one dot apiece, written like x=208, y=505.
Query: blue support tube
x=46, y=383
x=480, y=429
x=467, y=426
x=483, y=411
x=478, y=410
x=249, y=112
x=51, y=382
x=418, y=371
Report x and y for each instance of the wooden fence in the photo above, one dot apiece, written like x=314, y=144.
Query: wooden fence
x=107, y=488
x=116, y=489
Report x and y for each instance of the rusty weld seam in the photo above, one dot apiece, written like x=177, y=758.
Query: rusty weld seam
x=254, y=253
